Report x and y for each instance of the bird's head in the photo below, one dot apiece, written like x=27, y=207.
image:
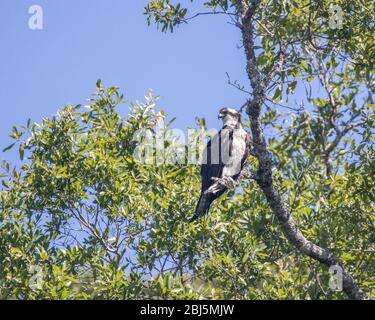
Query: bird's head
x=229, y=116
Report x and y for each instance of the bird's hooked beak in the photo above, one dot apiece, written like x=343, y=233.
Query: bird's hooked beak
x=221, y=115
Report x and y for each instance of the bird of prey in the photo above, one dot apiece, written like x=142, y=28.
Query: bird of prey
x=223, y=160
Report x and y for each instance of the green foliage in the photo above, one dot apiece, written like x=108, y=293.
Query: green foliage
x=82, y=219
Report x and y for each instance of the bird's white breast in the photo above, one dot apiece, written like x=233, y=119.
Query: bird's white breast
x=233, y=166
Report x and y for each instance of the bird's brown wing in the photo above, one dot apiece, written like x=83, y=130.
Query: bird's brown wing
x=213, y=166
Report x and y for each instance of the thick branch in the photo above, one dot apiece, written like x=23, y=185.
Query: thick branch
x=264, y=174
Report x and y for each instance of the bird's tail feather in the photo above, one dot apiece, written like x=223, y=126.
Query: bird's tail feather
x=202, y=207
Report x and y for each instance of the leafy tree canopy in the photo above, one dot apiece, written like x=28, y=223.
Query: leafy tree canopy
x=82, y=218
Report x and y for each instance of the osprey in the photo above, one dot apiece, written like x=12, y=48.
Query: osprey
x=223, y=160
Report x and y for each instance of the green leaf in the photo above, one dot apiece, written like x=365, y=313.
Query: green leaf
x=277, y=94
x=22, y=151
x=9, y=147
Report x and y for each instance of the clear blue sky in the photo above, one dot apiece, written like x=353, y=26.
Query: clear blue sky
x=43, y=70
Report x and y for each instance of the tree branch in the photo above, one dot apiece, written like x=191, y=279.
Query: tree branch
x=264, y=176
